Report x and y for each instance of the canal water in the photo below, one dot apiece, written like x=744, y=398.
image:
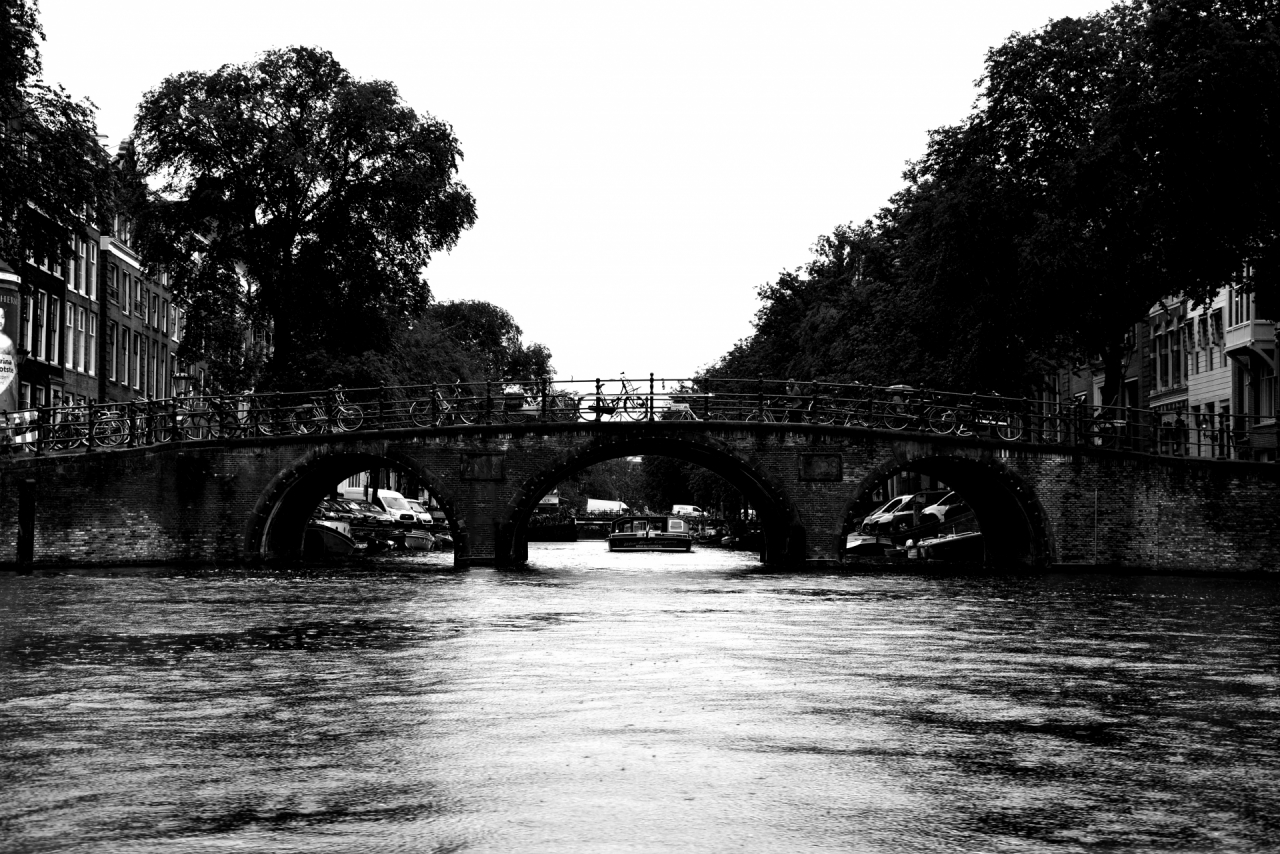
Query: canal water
x=647, y=703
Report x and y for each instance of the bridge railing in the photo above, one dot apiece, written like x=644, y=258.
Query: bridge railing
x=92, y=426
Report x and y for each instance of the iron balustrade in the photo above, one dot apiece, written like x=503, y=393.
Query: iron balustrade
x=208, y=417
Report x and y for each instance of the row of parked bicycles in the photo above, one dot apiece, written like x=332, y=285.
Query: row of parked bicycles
x=900, y=407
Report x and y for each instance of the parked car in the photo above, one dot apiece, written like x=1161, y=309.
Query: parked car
x=332, y=509
x=367, y=513
x=951, y=506
x=880, y=517
x=910, y=513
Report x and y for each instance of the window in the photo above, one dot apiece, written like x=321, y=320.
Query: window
x=88, y=334
x=135, y=370
x=122, y=369
x=110, y=365
x=164, y=316
x=1175, y=344
x=82, y=266
x=28, y=321
x=124, y=292
x=70, y=339
x=41, y=319
x=152, y=370
x=153, y=313
x=24, y=396
x=51, y=338
x=92, y=272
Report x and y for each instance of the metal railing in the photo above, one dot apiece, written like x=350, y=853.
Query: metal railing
x=93, y=426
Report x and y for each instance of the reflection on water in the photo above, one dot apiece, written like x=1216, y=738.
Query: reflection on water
x=635, y=702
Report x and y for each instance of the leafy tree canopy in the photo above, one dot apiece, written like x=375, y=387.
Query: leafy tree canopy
x=316, y=197
x=1111, y=162
x=52, y=169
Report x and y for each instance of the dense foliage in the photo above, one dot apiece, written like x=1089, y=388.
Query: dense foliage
x=1111, y=162
x=52, y=169
x=311, y=200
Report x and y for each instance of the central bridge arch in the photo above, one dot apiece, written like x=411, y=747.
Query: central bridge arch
x=781, y=528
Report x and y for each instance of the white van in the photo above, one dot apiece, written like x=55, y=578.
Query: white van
x=388, y=499
x=686, y=510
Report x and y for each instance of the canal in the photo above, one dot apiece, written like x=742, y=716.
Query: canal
x=635, y=703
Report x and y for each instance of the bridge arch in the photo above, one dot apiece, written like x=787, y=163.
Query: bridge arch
x=279, y=518
x=1014, y=525
x=781, y=527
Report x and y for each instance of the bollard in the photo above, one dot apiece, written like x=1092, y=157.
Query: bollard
x=651, y=395
x=599, y=399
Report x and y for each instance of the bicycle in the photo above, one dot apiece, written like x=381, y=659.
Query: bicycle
x=326, y=413
x=971, y=418
x=631, y=402
x=440, y=410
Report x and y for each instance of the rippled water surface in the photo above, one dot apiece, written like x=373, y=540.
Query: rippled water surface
x=636, y=703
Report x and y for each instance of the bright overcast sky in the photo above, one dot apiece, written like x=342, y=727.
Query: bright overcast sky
x=639, y=168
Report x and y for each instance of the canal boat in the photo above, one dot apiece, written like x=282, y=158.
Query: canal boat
x=960, y=548
x=650, y=534
x=415, y=539
x=326, y=538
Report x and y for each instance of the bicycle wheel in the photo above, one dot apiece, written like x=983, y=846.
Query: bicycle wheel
x=63, y=437
x=564, y=407
x=1009, y=428
x=163, y=428
x=307, y=419
x=1053, y=431
x=260, y=423
x=941, y=420
x=467, y=410
x=897, y=416
x=347, y=417
x=635, y=407
x=420, y=414
x=109, y=432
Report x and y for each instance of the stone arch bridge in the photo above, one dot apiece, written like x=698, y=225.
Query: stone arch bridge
x=248, y=499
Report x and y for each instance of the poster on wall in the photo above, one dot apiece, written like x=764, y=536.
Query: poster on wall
x=9, y=319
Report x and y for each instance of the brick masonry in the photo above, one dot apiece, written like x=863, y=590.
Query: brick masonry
x=245, y=500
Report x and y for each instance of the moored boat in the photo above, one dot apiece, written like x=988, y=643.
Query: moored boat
x=967, y=547
x=650, y=534
x=325, y=538
x=418, y=540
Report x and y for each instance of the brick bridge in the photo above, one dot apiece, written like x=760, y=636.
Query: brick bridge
x=247, y=499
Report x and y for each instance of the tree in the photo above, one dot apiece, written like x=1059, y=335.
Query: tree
x=52, y=169
x=1111, y=162
x=492, y=335
x=316, y=197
